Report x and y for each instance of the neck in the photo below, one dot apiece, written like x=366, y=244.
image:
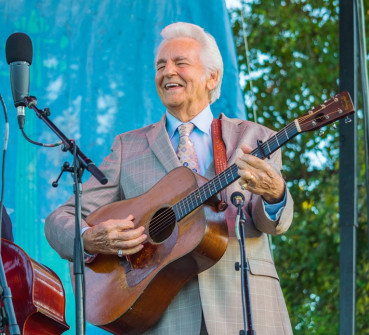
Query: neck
x=184, y=114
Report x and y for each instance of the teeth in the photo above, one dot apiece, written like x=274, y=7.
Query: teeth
x=171, y=85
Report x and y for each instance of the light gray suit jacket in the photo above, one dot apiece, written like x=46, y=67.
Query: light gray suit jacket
x=138, y=160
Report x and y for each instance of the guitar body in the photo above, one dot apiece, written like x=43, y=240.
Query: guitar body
x=129, y=295
x=38, y=294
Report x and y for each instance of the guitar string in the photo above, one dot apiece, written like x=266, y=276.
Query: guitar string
x=158, y=224
x=303, y=118
x=164, y=219
x=328, y=104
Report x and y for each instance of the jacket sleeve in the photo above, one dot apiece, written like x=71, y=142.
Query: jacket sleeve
x=257, y=209
x=60, y=224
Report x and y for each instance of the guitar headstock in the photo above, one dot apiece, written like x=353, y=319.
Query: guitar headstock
x=332, y=110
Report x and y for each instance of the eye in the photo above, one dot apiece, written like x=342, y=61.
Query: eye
x=160, y=66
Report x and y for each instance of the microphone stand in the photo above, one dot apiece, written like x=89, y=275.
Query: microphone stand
x=6, y=297
x=80, y=162
x=245, y=289
x=7, y=314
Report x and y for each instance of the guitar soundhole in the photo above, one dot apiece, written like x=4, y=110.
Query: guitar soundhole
x=162, y=224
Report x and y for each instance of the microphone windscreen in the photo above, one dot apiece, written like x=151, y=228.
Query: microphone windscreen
x=237, y=197
x=19, y=48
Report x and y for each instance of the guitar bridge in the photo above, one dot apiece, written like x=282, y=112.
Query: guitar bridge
x=125, y=264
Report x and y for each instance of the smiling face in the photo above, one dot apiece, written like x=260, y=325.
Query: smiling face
x=181, y=79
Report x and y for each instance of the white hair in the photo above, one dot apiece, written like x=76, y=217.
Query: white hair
x=210, y=54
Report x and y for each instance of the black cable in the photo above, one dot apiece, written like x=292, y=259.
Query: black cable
x=39, y=143
x=6, y=138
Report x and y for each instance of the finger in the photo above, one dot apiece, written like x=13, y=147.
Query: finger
x=246, y=176
x=253, y=163
x=131, y=243
x=126, y=223
x=247, y=180
x=130, y=234
x=130, y=217
x=245, y=148
x=242, y=164
x=132, y=251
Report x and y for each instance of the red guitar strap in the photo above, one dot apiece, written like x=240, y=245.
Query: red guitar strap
x=220, y=157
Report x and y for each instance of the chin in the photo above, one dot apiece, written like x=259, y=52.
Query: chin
x=172, y=103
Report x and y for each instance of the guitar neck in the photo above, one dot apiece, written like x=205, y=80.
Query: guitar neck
x=229, y=175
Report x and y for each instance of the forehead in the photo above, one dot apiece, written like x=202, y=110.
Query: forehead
x=179, y=48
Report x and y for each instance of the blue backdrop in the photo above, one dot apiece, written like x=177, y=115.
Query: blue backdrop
x=93, y=67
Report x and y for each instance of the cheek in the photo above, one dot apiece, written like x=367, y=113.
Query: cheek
x=158, y=78
x=158, y=83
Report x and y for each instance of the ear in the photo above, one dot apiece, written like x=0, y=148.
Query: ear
x=212, y=80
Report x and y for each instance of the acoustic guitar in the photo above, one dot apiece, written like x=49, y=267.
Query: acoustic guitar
x=186, y=235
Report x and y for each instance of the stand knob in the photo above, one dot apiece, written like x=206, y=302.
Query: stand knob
x=237, y=266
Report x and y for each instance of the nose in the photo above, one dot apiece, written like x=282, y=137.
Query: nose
x=169, y=69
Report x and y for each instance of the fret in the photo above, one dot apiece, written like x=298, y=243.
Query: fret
x=266, y=150
x=201, y=191
x=191, y=200
x=276, y=137
x=258, y=153
x=282, y=138
x=270, y=151
x=175, y=210
x=183, y=207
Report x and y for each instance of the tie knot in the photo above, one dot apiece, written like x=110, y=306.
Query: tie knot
x=185, y=129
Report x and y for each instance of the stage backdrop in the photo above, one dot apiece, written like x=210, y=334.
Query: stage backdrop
x=93, y=67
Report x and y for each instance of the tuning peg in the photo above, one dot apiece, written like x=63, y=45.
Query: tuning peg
x=334, y=126
x=347, y=119
x=321, y=132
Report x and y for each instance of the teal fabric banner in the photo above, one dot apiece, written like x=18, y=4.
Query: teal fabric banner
x=93, y=66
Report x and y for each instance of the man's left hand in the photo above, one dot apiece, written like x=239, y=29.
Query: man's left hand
x=259, y=177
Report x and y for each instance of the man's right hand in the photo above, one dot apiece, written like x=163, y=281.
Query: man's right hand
x=110, y=236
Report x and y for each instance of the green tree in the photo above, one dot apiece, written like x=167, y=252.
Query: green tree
x=293, y=53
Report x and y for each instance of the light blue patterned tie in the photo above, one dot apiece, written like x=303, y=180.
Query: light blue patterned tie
x=186, y=151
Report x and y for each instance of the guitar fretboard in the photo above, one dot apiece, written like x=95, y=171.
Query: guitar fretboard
x=229, y=175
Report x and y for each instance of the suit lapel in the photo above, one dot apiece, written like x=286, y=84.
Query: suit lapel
x=232, y=131
x=161, y=146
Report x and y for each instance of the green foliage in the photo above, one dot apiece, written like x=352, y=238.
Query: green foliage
x=293, y=53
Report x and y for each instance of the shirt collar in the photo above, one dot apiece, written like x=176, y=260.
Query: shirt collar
x=202, y=121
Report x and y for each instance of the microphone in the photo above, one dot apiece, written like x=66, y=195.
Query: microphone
x=19, y=54
x=237, y=199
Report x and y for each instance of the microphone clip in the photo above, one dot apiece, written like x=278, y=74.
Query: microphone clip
x=31, y=102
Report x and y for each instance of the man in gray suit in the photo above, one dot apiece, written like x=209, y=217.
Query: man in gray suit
x=189, y=72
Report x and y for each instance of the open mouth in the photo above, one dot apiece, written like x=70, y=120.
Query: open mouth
x=171, y=86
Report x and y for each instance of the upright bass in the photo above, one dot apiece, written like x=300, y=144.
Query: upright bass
x=38, y=294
